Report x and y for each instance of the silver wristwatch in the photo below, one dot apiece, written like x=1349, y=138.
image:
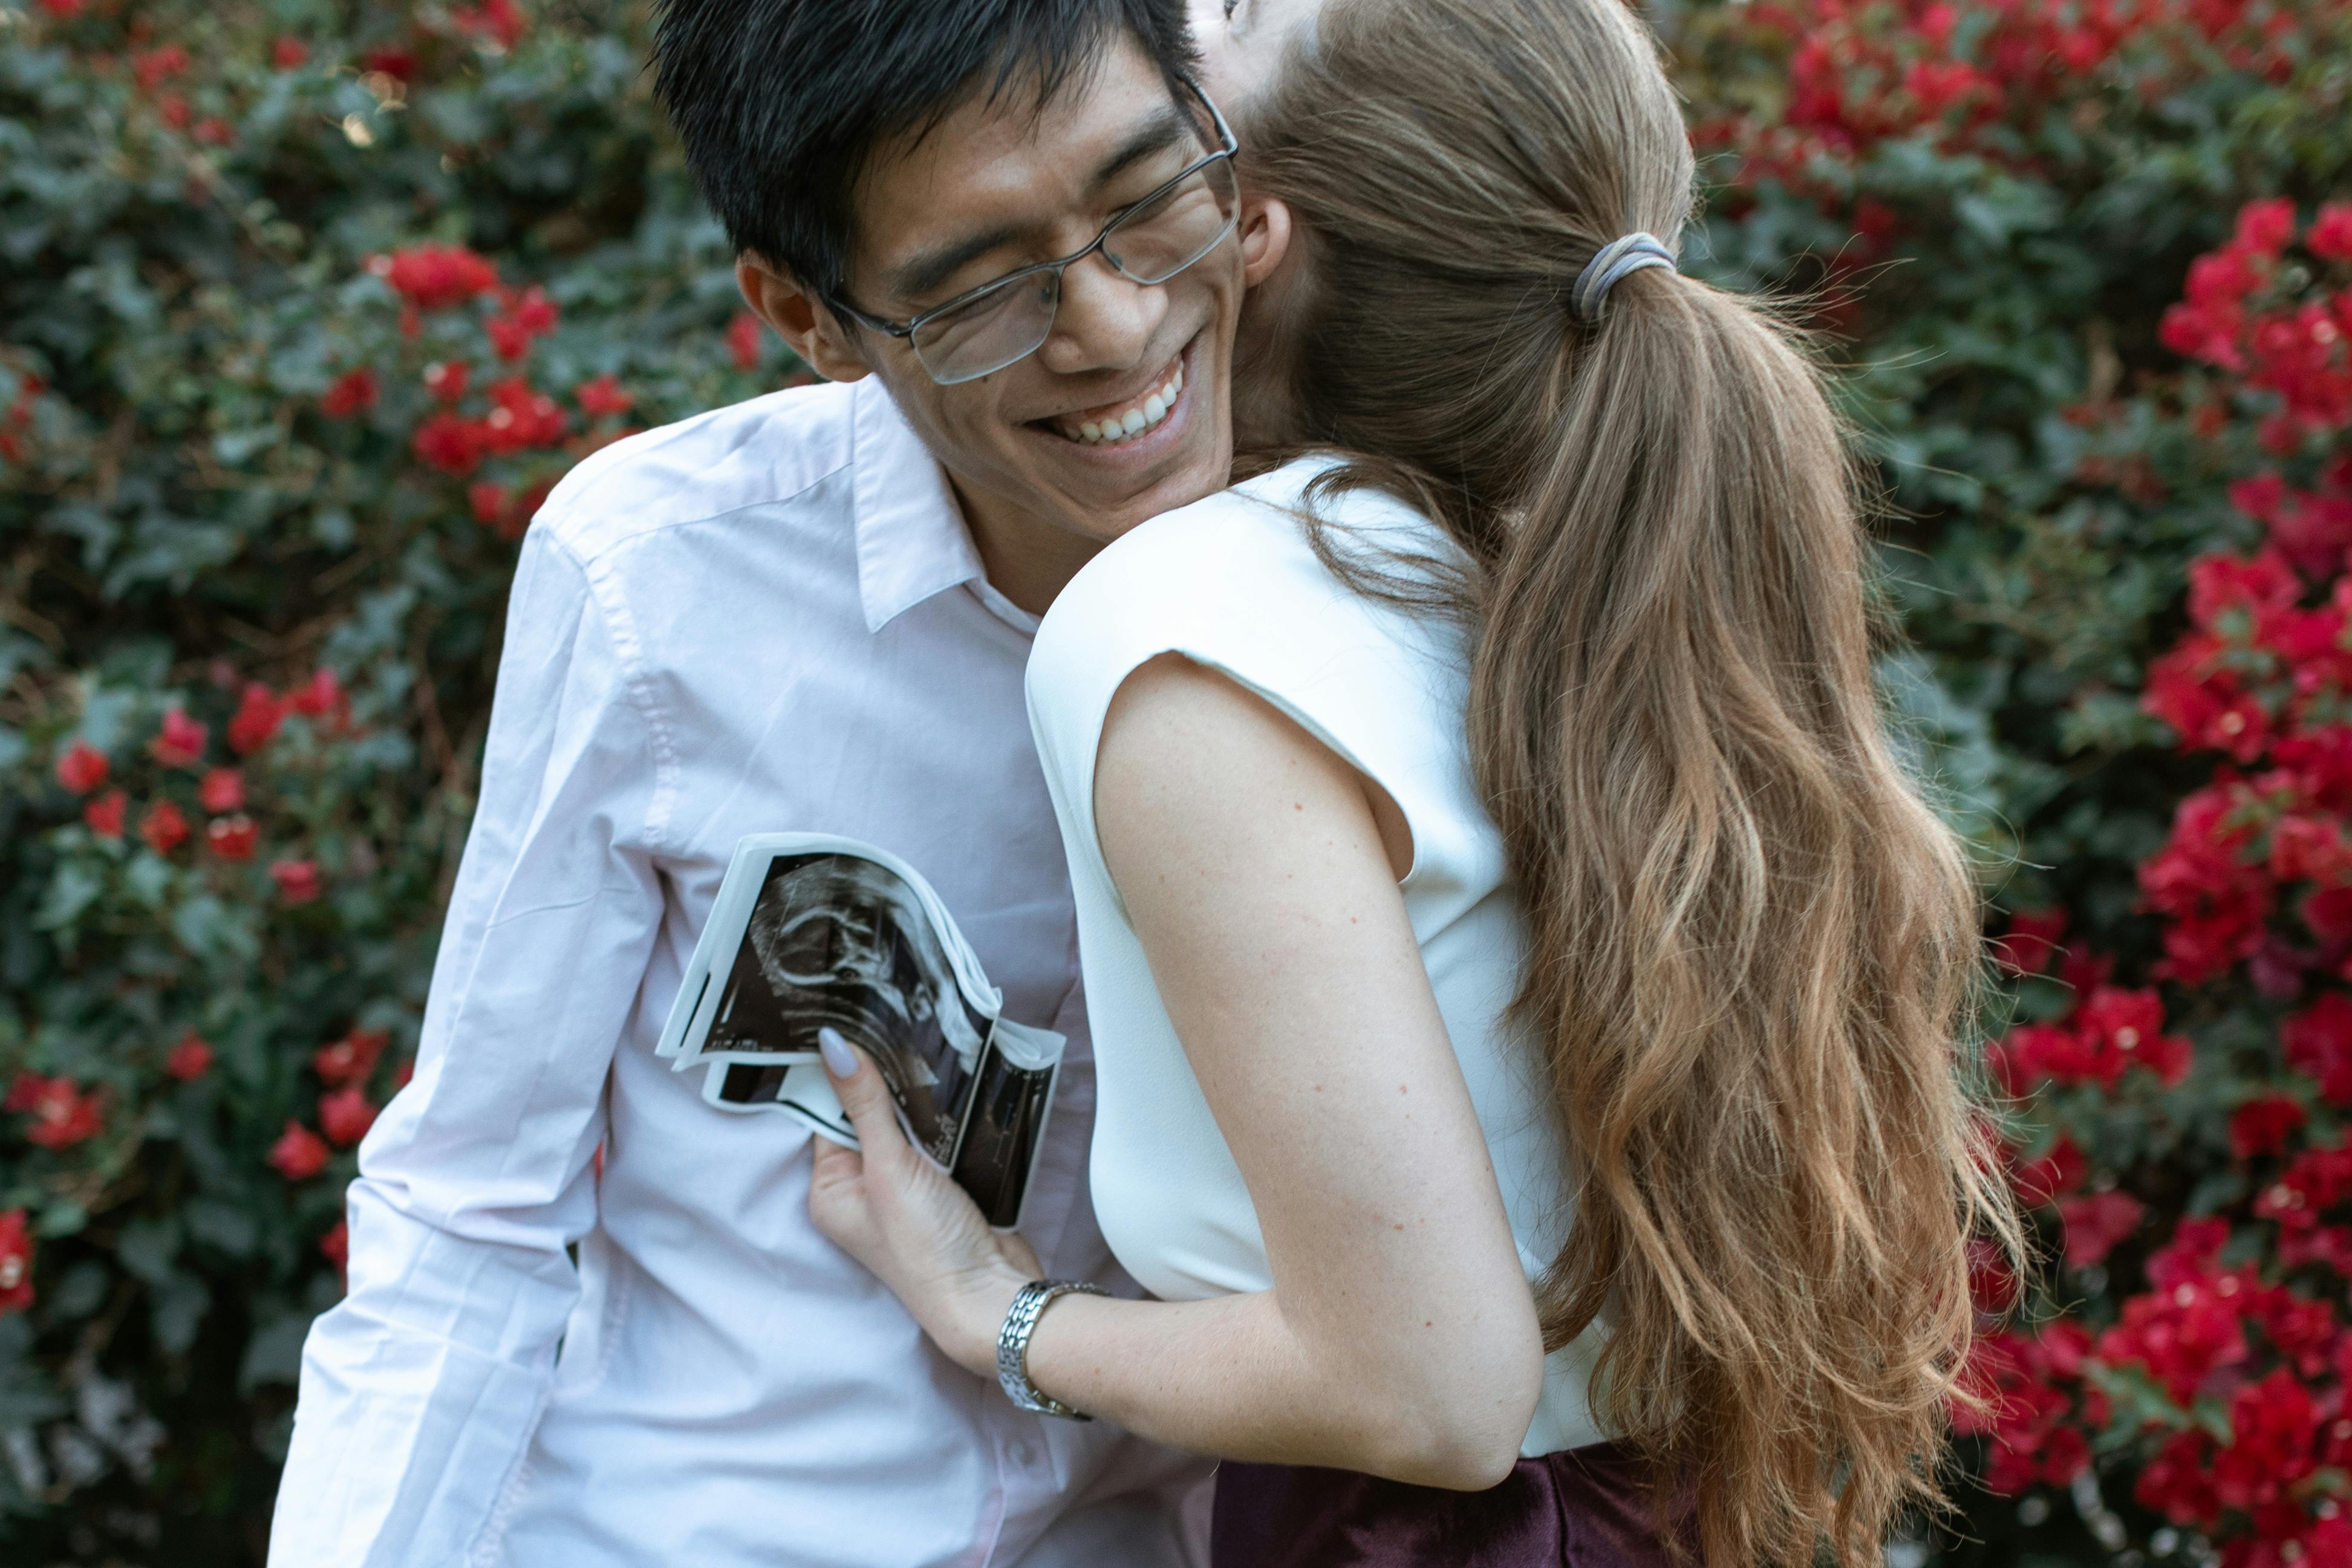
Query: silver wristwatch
x=1013, y=1344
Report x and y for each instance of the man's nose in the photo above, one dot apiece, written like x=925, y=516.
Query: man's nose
x=1106, y=322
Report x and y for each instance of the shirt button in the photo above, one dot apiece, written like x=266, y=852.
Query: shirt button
x=1020, y=1453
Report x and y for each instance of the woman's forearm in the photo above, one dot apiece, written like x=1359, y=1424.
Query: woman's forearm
x=1233, y=1376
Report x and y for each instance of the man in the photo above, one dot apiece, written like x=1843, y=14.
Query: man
x=808, y=612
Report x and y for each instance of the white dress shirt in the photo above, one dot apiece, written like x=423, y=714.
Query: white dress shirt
x=769, y=618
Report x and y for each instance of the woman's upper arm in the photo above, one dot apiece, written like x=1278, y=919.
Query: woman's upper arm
x=1253, y=866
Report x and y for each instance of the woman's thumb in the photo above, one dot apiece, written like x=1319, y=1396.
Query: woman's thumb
x=865, y=1099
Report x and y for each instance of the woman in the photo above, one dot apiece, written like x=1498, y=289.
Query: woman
x=1450, y=870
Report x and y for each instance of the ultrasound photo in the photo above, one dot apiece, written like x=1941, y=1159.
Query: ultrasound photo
x=838, y=940
x=809, y=930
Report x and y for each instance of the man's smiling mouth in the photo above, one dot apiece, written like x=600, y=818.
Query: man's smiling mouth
x=1113, y=422
x=1113, y=426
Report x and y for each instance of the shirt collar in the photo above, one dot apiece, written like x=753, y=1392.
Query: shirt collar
x=912, y=544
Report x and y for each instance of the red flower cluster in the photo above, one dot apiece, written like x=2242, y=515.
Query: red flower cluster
x=2295, y=348
x=299, y=1154
x=2236, y=1350
x=500, y=21
x=81, y=767
x=432, y=277
x=2024, y=1392
x=61, y=1113
x=527, y=314
x=189, y=1060
x=2110, y=1032
x=349, y=1060
x=519, y=419
x=353, y=392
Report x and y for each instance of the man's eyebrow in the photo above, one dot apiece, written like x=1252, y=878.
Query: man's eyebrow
x=929, y=269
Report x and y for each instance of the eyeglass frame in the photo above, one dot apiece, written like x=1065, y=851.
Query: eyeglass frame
x=1227, y=148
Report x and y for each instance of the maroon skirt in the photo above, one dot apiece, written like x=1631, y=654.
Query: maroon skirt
x=1584, y=1508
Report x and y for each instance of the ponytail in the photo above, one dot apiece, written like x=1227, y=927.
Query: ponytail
x=1752, y=944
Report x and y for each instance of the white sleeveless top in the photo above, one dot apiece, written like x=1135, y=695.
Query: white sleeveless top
x=1233, y=584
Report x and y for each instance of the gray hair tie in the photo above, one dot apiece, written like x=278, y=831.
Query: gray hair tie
x=1619, y=259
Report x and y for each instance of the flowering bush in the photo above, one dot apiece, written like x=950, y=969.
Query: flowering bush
x=303, y=307
x=2097, y=258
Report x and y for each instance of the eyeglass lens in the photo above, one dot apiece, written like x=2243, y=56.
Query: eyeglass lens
x=1148, y=243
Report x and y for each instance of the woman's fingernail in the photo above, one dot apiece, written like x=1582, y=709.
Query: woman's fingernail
x=839, y=1059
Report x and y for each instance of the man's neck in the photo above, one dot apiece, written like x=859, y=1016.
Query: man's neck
x=1027, y=561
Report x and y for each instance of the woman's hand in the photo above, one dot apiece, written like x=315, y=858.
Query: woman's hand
x=888, y=1206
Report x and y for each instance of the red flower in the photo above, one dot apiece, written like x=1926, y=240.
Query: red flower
x=103, y=816
x=157, y=66
x=288, y=53
x=2127, y=1028
x=319, y=697
x=221, y=789
x=62, y=1115
x=215, y=132
x=2031, y=940
x=2060, y=1170
x=350, y=1060
x=445, y=379
x=2219, y=584
x=258, y=714
x=2330, y=236
x=500, y=20
x=487, y=501
x=335, y=1246
x=2032, y=1052
x=189, y=1060
x=508, y=340
x=2096, y=1223
x=15, y=1262
x=398, y=63
x=353, y=391
x=298, y=881
x=1937, y=85
x=63, y=11
x=2263, y=1126
x=164, y=826
x=232, y=837
x=452, y=444
x=601, y=396
x=744, y=340
x=345, y=1115
x=181, y=743
x=522, y=417
x=2177, y=1482
x=2319, y=1043
x=2185, y=1333
x=82, y=769
x=2266, y=226
x=432, y=277
x=299, y=1154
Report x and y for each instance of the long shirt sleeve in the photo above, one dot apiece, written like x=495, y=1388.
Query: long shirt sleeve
x=420, y=1390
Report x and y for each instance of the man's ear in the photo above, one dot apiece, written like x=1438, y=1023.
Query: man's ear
x=1265, y=231
x=802, y=320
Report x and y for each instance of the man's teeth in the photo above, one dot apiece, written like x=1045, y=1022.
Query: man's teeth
x=1134, y=419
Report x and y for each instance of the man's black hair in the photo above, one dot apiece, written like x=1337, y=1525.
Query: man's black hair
x=781, y=102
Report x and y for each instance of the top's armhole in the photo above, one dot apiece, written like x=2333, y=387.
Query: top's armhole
x=1315, y=728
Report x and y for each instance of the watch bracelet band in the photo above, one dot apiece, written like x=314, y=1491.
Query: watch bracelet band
x=1013, y=1344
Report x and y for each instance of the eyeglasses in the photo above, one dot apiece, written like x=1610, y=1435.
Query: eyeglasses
x=986, y=328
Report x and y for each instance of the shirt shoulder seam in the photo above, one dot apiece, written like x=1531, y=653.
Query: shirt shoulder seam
x=588, y=561
x=621, y=630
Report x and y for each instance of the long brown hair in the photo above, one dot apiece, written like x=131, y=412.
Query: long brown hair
x=1753, y=945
